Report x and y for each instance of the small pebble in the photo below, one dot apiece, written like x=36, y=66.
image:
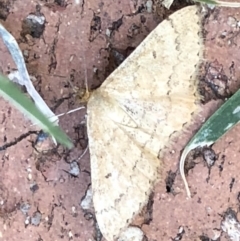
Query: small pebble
x=36, y=19
x=74, y=169
x=29, y=176
x=25, y=207
x=34, y=187
x=42, y=136
x=149, y=5
x=36, y=218
x=27, y=220
x=108, y=32
x=86, y=202
x=209, y=156
x=70, y=234
x=131, y=234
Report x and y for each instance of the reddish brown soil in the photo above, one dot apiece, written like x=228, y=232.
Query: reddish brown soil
x=85, y=42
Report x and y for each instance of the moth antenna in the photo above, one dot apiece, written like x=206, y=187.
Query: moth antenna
x=83, y=154
x=85, y=76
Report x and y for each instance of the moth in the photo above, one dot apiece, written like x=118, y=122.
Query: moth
x=132, y=116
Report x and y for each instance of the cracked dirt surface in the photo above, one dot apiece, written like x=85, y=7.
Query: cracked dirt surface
x=42, y=186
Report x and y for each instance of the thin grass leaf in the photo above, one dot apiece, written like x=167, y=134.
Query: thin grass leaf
x=220, y=3
x=206, y=1
x=227, y=116
x=11, y=93
x=23, y=76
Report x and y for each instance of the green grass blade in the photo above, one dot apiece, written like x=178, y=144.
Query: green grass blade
x=11, y=93
x=214, y=128
x=207, y=1
x=220, y=3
